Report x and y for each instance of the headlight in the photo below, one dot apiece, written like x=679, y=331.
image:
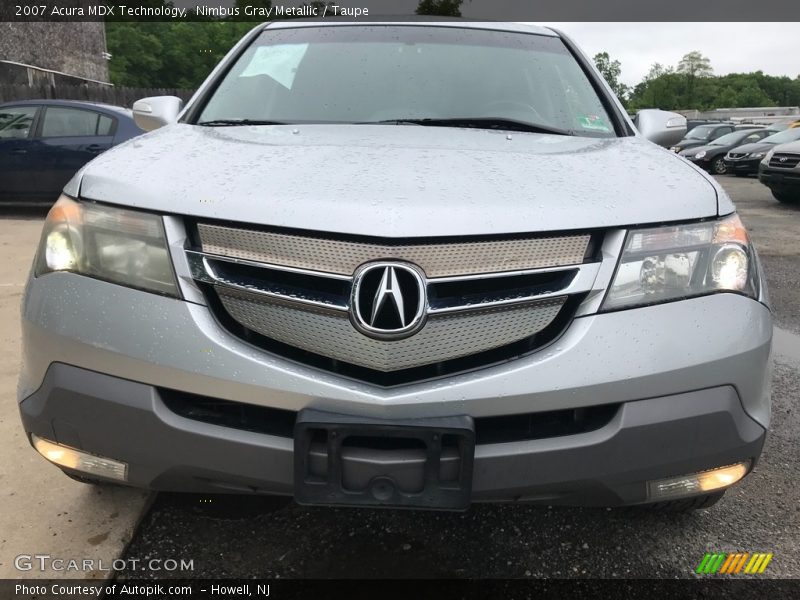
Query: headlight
x=114, y=244
x=682, y=261
x=756, y=155
x=700, y=154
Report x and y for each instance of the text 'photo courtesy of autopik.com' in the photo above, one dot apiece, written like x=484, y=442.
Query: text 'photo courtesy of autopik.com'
x=399, y=299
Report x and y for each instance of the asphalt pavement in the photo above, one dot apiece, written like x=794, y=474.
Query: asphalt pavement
x=42, y=512
x=235, y=536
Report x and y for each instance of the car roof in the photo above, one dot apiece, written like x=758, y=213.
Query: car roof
x=422, y=21
x=120, y=110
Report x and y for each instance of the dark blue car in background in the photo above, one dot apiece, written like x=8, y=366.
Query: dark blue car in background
x=44, y=142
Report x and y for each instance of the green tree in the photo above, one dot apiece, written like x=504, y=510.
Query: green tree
x=657, y=90
x=172, y=54
x=442, y=8
x=694, y=66
x=611, y=70
x=752, y=95
x=135, y=54
x=727, y=98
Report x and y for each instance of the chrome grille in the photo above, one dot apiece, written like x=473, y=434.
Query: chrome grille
x=444, y=337
x=784, y=161
x=435, y=259
x=482, y=300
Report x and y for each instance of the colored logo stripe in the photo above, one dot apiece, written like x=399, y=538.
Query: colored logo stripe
x=722, y=563
x=758, y=563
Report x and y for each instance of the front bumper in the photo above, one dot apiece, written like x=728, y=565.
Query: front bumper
x=692, y=391
x=787, y=179
x=645, y=440
x=743, y=166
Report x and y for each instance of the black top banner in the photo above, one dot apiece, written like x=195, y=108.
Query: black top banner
x=399, y=10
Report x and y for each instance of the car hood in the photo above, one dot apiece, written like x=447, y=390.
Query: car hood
x=399, y=180
x=684, y=144
x=788, y=147
x=708, y=148
x=754, y=147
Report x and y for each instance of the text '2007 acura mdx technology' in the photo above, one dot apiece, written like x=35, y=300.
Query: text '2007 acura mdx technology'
x=403, y=264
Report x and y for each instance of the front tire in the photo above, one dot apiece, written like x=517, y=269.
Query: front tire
x=718, y=166
x=786, y=197
x=687, y=504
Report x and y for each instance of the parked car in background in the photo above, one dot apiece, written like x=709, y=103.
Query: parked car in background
x=744, y=160
x=43, y=143
x=780, y=172
x=701, y=135
x=711, y=156
x=692, y=123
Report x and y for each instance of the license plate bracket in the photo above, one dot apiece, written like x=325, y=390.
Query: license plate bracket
x=322, y=437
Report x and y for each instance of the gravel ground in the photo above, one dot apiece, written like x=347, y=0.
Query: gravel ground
x=257, y=537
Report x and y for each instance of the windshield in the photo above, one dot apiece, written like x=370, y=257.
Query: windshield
x=700, y=133
x=368, y=74
x=731, y=138
x=790, y=135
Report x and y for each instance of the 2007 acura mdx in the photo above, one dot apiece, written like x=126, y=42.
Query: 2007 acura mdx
x=404, y=264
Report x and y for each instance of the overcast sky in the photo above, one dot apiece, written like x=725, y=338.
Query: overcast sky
x=773, y=48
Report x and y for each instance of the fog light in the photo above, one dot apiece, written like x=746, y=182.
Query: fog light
x=71, y=458
x=696, y=483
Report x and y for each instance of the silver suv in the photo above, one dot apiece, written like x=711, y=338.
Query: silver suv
x=780, y=171
x=404, y=264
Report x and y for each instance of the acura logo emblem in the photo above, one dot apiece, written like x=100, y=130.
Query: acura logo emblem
x=388, y=300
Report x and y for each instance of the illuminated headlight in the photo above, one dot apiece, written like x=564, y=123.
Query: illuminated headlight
x=683, y=261
x=114, y=244
x=700, y=154
x=756, y=155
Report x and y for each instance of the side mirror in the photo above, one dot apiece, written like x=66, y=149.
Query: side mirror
x=157, y=111
x=660, y=126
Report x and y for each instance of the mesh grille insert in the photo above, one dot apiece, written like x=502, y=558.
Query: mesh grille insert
x=342, y=257
x=444, y=337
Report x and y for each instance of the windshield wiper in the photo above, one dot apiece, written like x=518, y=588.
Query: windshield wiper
x=225, y=122
x=478, y=123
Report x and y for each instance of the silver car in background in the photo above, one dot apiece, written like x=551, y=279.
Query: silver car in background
x=405, y=265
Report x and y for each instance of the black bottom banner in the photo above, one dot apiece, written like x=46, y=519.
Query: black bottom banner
x=555, y=589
